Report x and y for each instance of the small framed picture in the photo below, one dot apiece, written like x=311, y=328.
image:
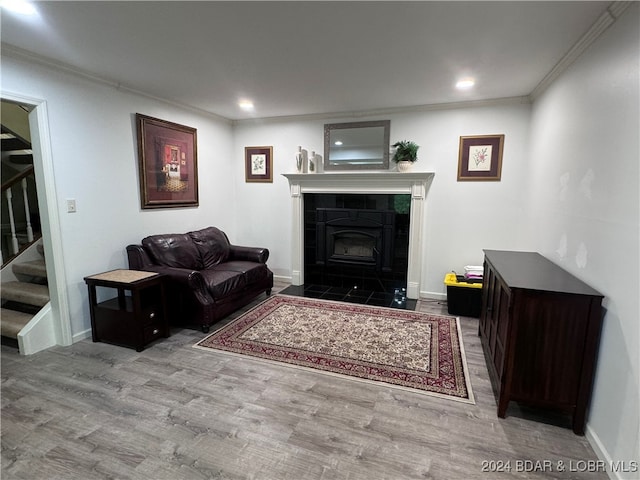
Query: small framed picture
x=480, y=157
x=168, y=163
x=258, y=163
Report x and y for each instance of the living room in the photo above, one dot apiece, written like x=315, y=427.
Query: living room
x=569, y=190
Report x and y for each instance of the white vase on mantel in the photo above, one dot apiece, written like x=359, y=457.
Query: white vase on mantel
x=299, y=160
x=312, y=162
x=404, y=166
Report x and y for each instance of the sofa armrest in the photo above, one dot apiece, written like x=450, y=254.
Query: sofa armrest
x=138, y=258
x=190, y=280
x=251, y=254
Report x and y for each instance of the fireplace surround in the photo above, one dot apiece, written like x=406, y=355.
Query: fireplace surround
x=416, y=184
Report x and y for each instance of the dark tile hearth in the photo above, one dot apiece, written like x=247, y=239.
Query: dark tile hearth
x=393, y=299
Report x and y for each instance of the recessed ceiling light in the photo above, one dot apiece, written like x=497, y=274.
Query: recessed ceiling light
x=465, y=83
x=338, y=142
x=18, y=6
x=246, y=105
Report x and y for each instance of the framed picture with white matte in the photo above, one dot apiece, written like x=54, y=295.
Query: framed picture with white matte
x=258, y=163
x=480, y=158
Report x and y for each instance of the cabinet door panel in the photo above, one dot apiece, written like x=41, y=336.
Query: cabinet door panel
x=487, y=298
x=502, y=326
x=496, y=303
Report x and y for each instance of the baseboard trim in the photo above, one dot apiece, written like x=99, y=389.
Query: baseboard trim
x=601, y=453
x=81, y=335
x=433, y=295
x=282, y=278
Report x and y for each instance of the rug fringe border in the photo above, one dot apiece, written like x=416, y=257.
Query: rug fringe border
x=317, y=371
x=465, y=366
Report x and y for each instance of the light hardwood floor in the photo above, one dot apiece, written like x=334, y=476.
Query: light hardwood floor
x=97, y=411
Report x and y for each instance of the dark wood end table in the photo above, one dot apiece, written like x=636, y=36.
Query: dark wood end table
x=132, y=320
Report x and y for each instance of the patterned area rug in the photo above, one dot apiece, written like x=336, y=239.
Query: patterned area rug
x=401, y=348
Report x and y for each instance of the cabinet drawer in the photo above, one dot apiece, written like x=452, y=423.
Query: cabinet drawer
x=152, y=314
x=153, y=331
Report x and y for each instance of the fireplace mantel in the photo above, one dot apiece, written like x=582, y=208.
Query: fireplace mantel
x=414, y=183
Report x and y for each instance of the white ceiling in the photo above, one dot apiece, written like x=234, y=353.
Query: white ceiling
x=299, y=58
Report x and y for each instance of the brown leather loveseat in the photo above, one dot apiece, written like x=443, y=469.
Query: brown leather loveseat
x=208, y=278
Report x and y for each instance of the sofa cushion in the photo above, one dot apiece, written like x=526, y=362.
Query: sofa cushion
x=212, y=245
x=173, y=250
x=251, y=271
x=221, y=283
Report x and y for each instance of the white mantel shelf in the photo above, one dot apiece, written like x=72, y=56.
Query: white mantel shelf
x=356, y=182
x=414, y=183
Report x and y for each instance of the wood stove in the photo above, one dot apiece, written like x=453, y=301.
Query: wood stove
x=355, y=237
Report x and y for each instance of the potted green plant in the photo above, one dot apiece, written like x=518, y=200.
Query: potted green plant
x=405, y=155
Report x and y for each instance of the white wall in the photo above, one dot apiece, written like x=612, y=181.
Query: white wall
x=583, y=213
x=461, y=219
x=94, y=149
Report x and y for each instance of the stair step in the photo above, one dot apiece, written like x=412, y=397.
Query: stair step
x=14, y=143
x=21, y=158
x=11, y=322
x=34, y=268
x=29, y=293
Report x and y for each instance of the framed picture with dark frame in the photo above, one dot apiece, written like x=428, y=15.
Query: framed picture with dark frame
x=480, y=157
x=168, y=163
x=258, y=164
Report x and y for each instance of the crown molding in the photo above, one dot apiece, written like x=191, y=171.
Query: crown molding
x=26, y=55
x=608, y=18
x=9, y=50
x=492, y=102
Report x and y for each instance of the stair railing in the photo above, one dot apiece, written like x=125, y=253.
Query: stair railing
x=7, y=192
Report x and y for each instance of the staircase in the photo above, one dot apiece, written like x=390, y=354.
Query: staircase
x=20, y=224
x=27, y=318
x=24, y=295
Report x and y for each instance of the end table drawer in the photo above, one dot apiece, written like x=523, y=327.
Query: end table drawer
x=152, y=315
x=153, y=331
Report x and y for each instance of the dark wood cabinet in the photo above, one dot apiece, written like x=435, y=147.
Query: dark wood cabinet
x=540, y=329
x=136, y=316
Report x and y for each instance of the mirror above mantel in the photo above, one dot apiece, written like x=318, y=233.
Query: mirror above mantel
x=357, y=145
